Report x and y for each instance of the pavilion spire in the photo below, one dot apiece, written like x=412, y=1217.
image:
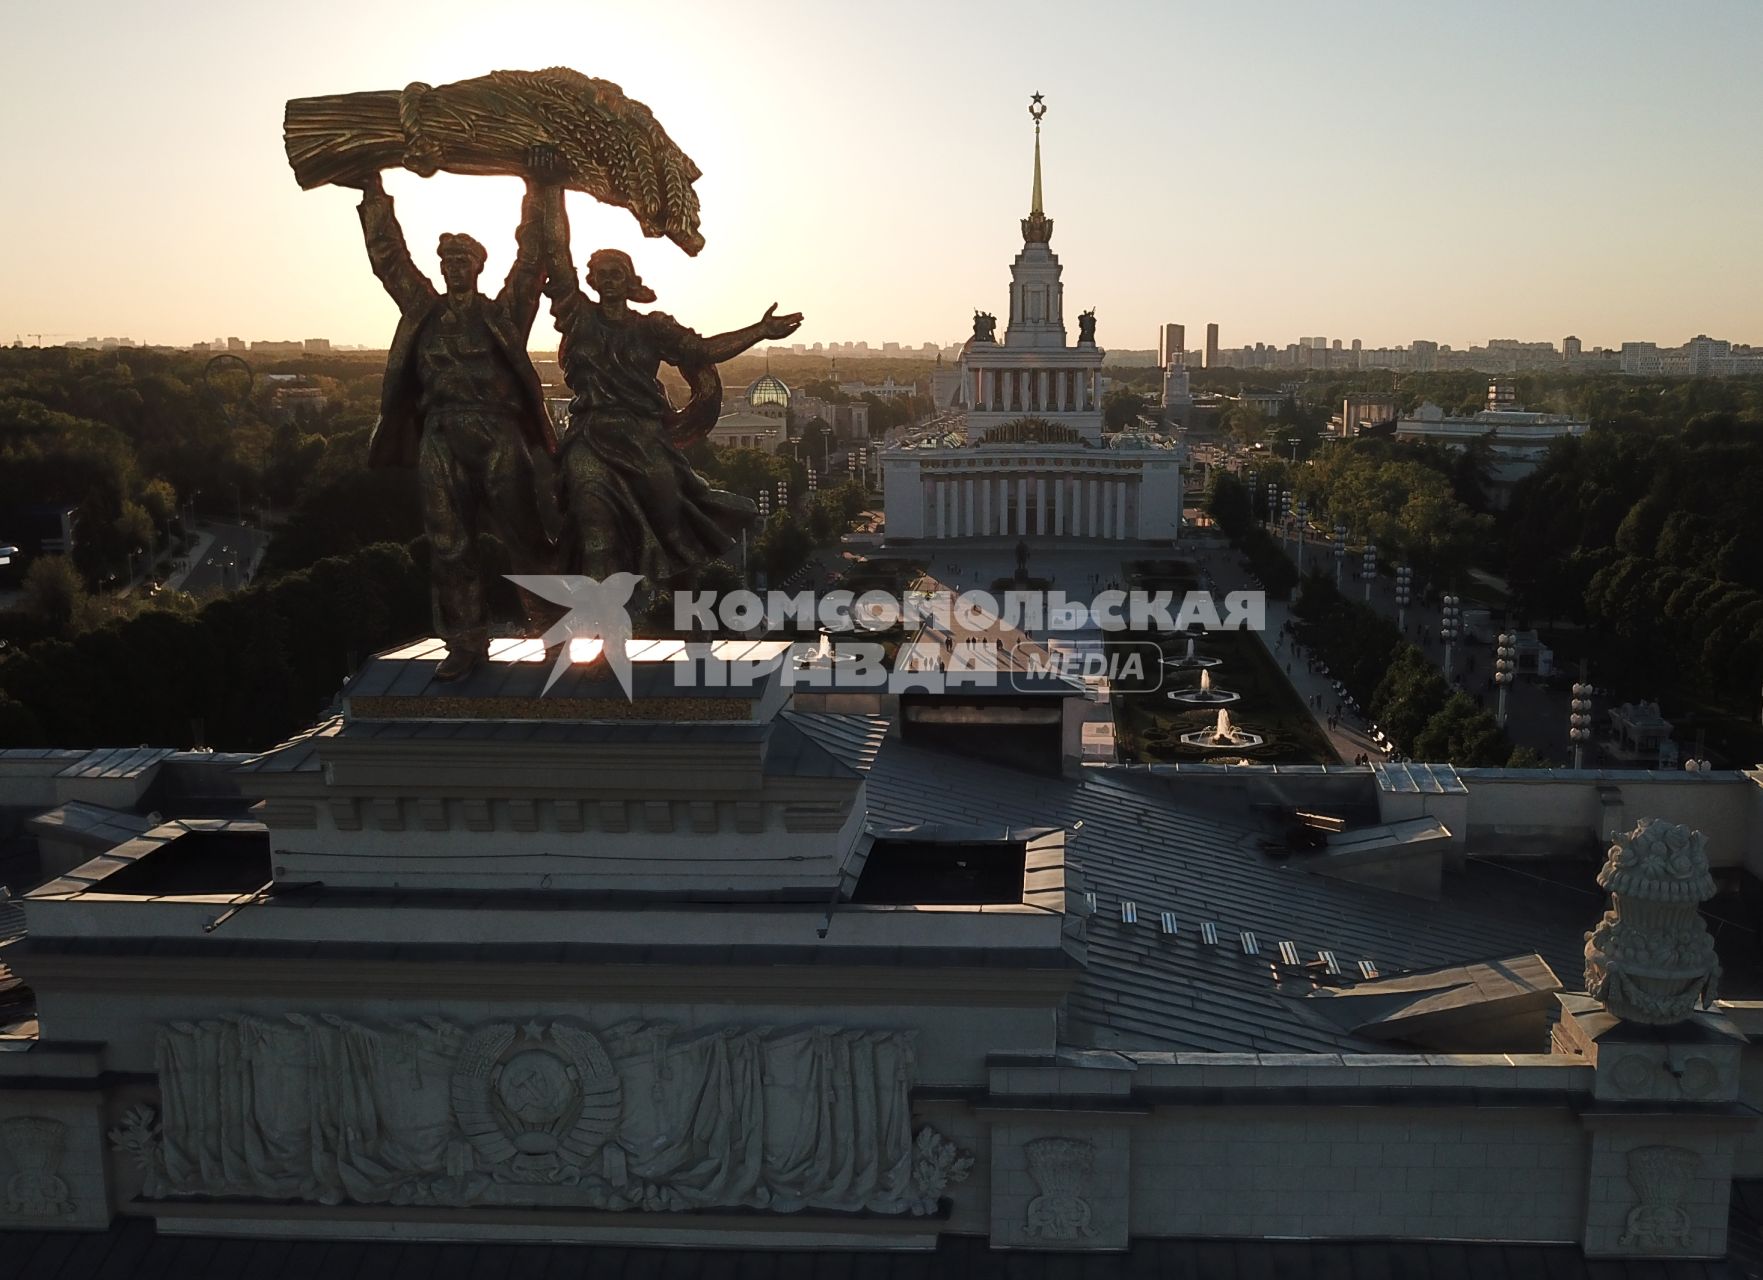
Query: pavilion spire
x=1037, y=228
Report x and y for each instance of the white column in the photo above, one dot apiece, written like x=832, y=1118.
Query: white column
x=1093, y=524
x=1040, y=504
x=967, y=506
x=1120, y=509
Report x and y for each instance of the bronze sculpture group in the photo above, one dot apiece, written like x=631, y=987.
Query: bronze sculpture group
x=462, y=402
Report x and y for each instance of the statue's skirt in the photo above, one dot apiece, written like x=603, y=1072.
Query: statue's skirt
x=635, y=503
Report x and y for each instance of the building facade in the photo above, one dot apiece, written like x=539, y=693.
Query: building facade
x=1033, y=461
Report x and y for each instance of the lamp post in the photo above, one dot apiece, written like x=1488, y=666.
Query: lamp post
x=1273, y=513
x=783, y=495
x=1368, y=569
x=1579, y=722
x=1303, y=526
x=1505, y=667
x=813, y=481
x=1404, y=586
x=1340, y=550
x=1293, y=441
x=1449, y=617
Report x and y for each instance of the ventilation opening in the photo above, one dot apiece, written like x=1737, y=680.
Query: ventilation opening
x=909, y=872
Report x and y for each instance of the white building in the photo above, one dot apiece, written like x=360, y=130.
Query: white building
x=1519, y=439
x=1034, y=461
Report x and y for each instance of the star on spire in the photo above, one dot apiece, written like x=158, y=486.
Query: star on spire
x=1037, y=227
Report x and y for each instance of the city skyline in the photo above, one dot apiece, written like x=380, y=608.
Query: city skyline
x=1586, y=187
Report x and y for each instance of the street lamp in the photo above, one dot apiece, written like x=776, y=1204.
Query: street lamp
x=783, y=494
x=813, y=481
x=1272, y=505
x=1340, y=550
x=1303, y=526
x=764, y=505
x=1404, y=586
x=1449, y=618
x=1368, y=569
x=1293, y=441
x=1579, y=723
x=1505, y=667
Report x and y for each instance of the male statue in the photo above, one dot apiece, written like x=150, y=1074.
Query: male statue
x=462, y=403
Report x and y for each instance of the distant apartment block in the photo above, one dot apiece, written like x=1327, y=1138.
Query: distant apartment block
x=1702, y=356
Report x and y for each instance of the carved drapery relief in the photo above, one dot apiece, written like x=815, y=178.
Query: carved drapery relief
x=1061, y=1168
x=36, y=1145
x=1662, y=1178
x=639, y=1116
x=1650, y=959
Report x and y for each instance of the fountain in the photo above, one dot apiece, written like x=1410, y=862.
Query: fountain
x=1191, y=661
x=1205, y=695
x=1221, y=736
x=824, y=656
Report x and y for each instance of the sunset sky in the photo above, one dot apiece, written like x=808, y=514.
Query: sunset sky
x=1388, y=171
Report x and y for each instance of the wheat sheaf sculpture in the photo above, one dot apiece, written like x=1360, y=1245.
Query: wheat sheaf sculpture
x=613, y=147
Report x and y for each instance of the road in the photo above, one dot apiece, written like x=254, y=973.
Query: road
x=226, y=564
x=1537, y=715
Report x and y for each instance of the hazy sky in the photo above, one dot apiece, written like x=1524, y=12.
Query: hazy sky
x=1416, y=168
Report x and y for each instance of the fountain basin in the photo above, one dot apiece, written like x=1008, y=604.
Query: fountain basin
x=1222, y=736
x=1205, y=695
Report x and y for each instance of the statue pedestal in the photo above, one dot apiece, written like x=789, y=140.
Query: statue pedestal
x=1664, y=1126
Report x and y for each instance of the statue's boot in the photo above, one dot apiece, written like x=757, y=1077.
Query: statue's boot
x=461, y=661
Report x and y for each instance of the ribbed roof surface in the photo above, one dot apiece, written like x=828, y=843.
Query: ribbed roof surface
x=1143, y=842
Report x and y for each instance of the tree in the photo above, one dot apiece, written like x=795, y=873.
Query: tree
x=1246, y=424
x=782, y=547
x=1409, y=696
x=1121, y=408
x=135, y=527
x=55, y=593
x=1461, y=733
x=1229, y=505
x=161, y=503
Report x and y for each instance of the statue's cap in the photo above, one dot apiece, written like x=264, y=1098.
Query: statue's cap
x=454, y=244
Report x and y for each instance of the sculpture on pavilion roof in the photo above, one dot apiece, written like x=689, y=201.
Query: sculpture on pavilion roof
x=1650, y=959
x=461, y=401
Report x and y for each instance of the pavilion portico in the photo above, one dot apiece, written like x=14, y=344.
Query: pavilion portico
x=1065, y=492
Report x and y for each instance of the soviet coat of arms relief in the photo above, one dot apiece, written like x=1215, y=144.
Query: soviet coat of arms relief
x=541, y=1112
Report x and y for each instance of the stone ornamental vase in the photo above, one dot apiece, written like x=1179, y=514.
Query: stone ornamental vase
x=1650, y=959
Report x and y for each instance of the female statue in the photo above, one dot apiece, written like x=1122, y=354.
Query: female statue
x=633, y=501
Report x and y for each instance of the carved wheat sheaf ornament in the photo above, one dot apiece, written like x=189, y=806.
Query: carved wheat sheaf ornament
x=36, y=1189
x=1061, y=1168
x=614, y=148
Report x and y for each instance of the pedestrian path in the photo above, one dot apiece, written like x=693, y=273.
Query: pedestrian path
x=175, y=581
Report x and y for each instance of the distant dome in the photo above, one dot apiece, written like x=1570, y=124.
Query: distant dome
x=769, y=389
